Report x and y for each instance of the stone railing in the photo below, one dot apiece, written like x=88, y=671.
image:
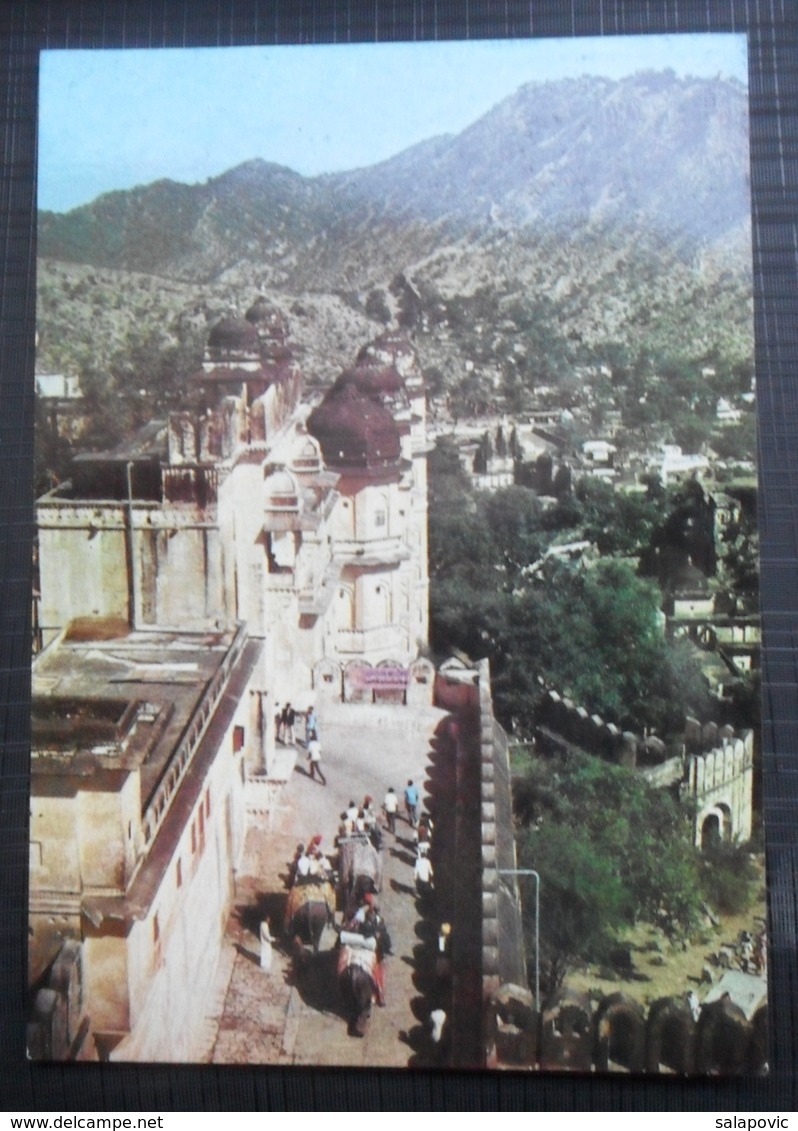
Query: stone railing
x=190, y=738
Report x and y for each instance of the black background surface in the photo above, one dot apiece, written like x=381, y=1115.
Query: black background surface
x=27, y=26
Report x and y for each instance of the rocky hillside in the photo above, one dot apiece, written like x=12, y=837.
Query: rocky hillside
x=623, y=206
x=652, y=153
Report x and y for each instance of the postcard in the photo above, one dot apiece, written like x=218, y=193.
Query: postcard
x=396, y=625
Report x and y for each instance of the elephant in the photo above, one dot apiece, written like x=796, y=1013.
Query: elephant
x=620, y=1033
x=359, y=975
x=723, y=1039
x=309, y=921
x=670, y=1036
x=310, y=907
x=359, y=871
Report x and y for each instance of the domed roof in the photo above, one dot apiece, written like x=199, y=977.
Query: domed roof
x=391, y=344
x=281, y=490
x=267, y=318
x=372, y=379
x=234, y=334
x=307, y=457
x=354, y=430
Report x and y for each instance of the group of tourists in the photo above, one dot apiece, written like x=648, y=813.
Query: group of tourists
x=285, y=724
x=363, y=935
x=390, y=805
x=310, y=864
x=422, y=833
x=361, y=820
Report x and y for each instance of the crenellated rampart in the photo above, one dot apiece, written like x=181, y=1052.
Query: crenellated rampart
x=712, y=764
x=575, y=1032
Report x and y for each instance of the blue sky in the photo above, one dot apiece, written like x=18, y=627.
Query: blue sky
x=115, y=119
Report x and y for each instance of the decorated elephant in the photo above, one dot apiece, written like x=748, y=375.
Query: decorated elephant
x=360, y=980
x=620, y=1034
x=359, y=871
x=310, y=907
x=670, y=1036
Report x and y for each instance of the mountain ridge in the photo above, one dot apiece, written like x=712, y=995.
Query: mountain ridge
x=572, y=153
x=624, y=203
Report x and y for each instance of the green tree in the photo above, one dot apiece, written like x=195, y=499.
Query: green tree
x=512, y=518
x=377, y=307
x=610, y=850
x=737, y=441
x=581, y=901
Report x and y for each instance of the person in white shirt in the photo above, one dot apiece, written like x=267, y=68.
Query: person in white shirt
x=423, y=875
x=391, y=807
x=303, y=867
x=314, y=757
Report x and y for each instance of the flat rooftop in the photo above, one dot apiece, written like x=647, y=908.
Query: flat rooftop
x=119, y=704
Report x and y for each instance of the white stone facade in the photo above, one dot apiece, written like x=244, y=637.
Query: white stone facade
x=192, y=579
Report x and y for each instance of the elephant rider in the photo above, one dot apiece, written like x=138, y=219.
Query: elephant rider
x=348, y=819
x=369, y=923
x=320, y=866
x=301, y=867
x=371, y=825
x=311, y=864
x=367, y=903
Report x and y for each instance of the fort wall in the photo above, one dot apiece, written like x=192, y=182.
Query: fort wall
x=712, y=765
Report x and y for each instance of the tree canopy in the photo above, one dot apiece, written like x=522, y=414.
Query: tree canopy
x=610, y=850
x=590, y=627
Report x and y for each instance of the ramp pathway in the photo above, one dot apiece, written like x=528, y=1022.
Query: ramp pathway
x=292, y=1014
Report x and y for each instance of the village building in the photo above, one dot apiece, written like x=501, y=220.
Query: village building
x=142, y=746
x=62, y=409
x=674, y=466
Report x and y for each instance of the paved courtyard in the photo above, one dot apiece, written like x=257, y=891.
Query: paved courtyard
x=293, y=1014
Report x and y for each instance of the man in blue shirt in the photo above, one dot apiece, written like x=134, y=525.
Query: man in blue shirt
x=411, y=803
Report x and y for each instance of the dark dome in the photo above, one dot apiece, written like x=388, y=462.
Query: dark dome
x=397, y=345
x=373, y=380
x=354, y=430
x=267, y=318
x=233, y=334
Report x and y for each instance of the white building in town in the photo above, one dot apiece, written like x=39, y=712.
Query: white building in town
x=242, y=553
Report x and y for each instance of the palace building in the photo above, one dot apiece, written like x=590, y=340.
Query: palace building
x=251, y=549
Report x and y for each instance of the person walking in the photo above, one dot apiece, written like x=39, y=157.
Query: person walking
x=278, y=723
x=411, y=803
x=288, y=718
x=311, y=725
x=422, y=871
x=391, y=807
x=314, y=757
